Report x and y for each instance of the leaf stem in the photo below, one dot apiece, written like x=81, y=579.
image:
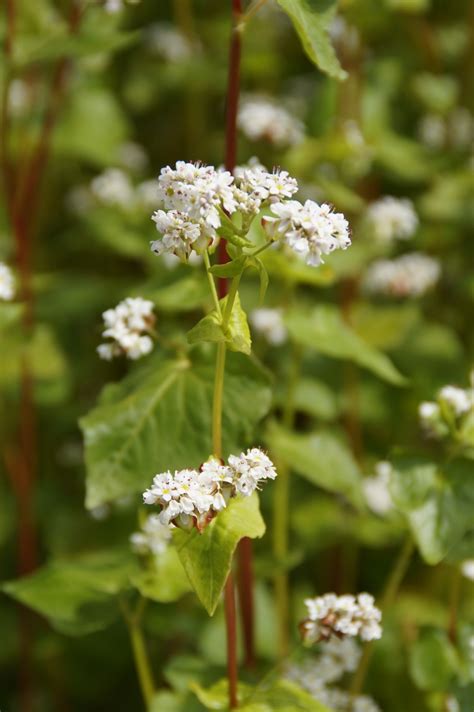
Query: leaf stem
x=212, y=284
x=140, y=655
x=391, y=588
x=230, y=301
x=231, y=629
x=217, y=399
x=253, y=9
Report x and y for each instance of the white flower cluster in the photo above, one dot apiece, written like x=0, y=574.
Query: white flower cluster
x=392, y=219
x=195, y=199
x=340, y=616
x=153, y=537
x=310, y=229
x=376, y=490
x=315, y=675
x=269, y=323
x=261, y=118
x=128, y=326
x=456, y=129
x=452, y=404
x=467, y=569
x=7, y=283
x=410, y=275
x=192, y=498
x=168, y=43
x=112, y=187
x=114, y=6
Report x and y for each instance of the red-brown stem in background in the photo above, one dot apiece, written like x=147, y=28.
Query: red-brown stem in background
x=245, y=578
x=22, y=203
x=231, y=629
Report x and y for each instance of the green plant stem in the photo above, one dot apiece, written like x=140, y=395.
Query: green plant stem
x=217, y=407
x=140, y=655
x=281, y=515
x=212, y=284
x=391, y=588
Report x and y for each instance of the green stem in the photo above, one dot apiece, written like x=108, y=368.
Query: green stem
x=212, y=284
x=280, y=515
x=140, y=655
x=255, y=7
x=217, y=400
x=391, y=588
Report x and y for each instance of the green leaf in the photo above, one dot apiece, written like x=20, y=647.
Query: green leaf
x=433, y=660
x=237, y=334
x=321, y=458
x=312, y=28
x=161, y=419
x=217, y=696
x=385, y=327
x=164, y=580
x=285, y=696
x=315, y=398
x=184, y=294
x=438, y=502
x=295, y=271
x=263, y=275
x=207, y=557
x=230, y=269
x=324, y=330
x=77, y=595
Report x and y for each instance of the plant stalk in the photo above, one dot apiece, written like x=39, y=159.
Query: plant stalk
x=281, y=515
x=391, y=589
x=142, y=663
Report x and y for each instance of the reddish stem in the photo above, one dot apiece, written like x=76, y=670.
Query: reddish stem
x=231, y=630
x=245, y=578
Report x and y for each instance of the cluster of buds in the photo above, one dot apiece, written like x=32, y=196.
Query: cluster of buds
x=128, y=327
x=192, y=498
x=442, y=416
x=341, y=616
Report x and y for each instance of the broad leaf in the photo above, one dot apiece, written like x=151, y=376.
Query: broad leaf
x=77, y=596
x=230, y=269
x=160, y=420
x=236, y=335
x=433, y=660
x=324, y=330
x=321, y=458
x=312, y=28
x=294, y=270
x=164, y=580
x=207, y=557
x=438, y=503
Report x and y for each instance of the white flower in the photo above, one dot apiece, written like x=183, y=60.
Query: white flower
x=376, y=490
x=457, y=399
x=7, y=283
x=452, y=705
x=392, y=219
x=428, y=410
x=128, y=327
x=311, y=230
x=193, y=498
x=467, y=568
x=255, y=187
x=114, y=6
x=410, y=275
x=340, y=616
x=147, y=193
x=179, y=234
x=153, y=538
x=261, y=118
x=113, y=187
x=167, y=42
x=269, y=323
x=249, y=469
